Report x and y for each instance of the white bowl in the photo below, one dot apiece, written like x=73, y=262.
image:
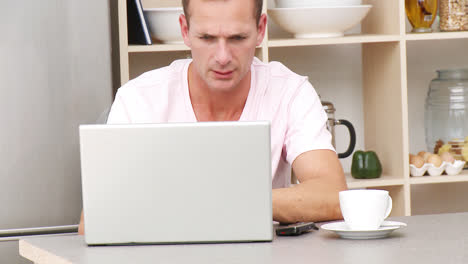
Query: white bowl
x=163, y=24
x=315, y=3
x=316, y=22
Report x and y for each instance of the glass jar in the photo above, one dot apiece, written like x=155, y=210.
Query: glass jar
x=446, y=115
x=453, y=15
x=421, y=14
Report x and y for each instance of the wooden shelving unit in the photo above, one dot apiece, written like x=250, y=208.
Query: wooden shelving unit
x=384, y=181
x=349, y=39
x=156, y=48
x=437, y=35
x=383, y=40
x=463, y=177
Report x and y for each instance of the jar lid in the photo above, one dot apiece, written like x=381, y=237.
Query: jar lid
x=453, y=73
x=328, y=107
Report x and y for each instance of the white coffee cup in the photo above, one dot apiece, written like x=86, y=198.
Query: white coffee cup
x=365, y=209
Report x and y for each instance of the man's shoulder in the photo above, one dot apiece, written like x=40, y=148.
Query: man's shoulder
x=275, y=69
x=162, y=74
x=157, y=79
x=277, y=79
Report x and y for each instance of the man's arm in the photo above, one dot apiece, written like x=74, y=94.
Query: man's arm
x=81, y=226
x=316, y=198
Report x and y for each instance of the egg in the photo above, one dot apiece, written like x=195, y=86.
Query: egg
x=417, y=161
x=421, y=153
x=447, y=157
x=435, y=159
x=426, y=156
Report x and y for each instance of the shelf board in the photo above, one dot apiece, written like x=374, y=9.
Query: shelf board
x=347, y=39
x=463, y=177
x=436, y=35
x=157, y=47
x=384, y=180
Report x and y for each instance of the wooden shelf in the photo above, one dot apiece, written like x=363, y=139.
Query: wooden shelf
x=436, y=35
x=463, y=177
x=157, y=47
x=348, y=39
x=272, y=43
x=385, y=180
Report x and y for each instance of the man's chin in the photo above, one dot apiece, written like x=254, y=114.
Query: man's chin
x=222, y=86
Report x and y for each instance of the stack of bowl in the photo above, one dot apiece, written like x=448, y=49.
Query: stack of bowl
x=163, y=23
x=318, y=18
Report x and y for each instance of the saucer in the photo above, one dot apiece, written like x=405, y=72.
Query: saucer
x=343, y=231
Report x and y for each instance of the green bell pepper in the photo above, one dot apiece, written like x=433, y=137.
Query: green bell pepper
x=366, y=165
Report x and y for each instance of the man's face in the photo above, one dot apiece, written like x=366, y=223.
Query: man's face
x=223, y=36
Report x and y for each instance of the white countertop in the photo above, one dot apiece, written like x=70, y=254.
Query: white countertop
x=427, y=239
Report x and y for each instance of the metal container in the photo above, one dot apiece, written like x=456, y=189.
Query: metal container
x=332, y=122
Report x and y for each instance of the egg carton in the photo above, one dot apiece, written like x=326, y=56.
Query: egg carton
x=449, y=168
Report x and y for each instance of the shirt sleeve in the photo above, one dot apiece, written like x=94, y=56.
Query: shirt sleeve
x=307, y=123
x=118, y=113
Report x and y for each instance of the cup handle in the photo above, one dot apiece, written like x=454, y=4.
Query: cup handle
x=389, y=208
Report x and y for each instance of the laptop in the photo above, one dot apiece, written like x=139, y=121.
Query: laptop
x=176, y=183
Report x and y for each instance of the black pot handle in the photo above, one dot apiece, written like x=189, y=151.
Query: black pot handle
x=352, y=136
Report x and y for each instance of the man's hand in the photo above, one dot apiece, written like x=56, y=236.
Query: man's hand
x=81, y=226
x=316, y=198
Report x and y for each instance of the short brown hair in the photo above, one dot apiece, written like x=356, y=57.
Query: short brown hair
x=257, y=10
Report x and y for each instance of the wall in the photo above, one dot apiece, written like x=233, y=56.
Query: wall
x=55, y=74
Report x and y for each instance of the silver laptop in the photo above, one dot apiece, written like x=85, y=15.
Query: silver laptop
x=176, y=183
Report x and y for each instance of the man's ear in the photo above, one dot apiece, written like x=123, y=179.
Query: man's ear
x=184, y=29
x=261, y=28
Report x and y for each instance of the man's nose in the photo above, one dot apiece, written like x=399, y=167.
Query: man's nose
x=223, y=53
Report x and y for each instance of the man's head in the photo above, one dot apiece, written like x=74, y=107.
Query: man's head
x=257, y=12
x=222, y=36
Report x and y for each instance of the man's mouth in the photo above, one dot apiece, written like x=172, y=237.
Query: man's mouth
x=223, y=74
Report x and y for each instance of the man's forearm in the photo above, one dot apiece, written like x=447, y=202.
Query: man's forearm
x=307, y=202
x=81, y=225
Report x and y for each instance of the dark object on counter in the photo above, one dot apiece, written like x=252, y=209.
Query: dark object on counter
x=366, y=165
x=295, y=229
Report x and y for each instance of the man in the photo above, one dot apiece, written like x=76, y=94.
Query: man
x=224, y=82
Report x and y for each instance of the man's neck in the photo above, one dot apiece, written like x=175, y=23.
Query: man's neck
x=210, y=105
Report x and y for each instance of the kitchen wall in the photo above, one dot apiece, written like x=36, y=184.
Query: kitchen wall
x=55, y=74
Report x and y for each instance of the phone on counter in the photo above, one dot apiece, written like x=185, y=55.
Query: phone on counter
x=295, y=229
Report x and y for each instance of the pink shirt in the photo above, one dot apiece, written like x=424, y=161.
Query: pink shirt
x=287, y=100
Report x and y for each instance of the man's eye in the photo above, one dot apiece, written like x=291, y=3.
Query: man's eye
x=206, y=37
x=238, y=38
